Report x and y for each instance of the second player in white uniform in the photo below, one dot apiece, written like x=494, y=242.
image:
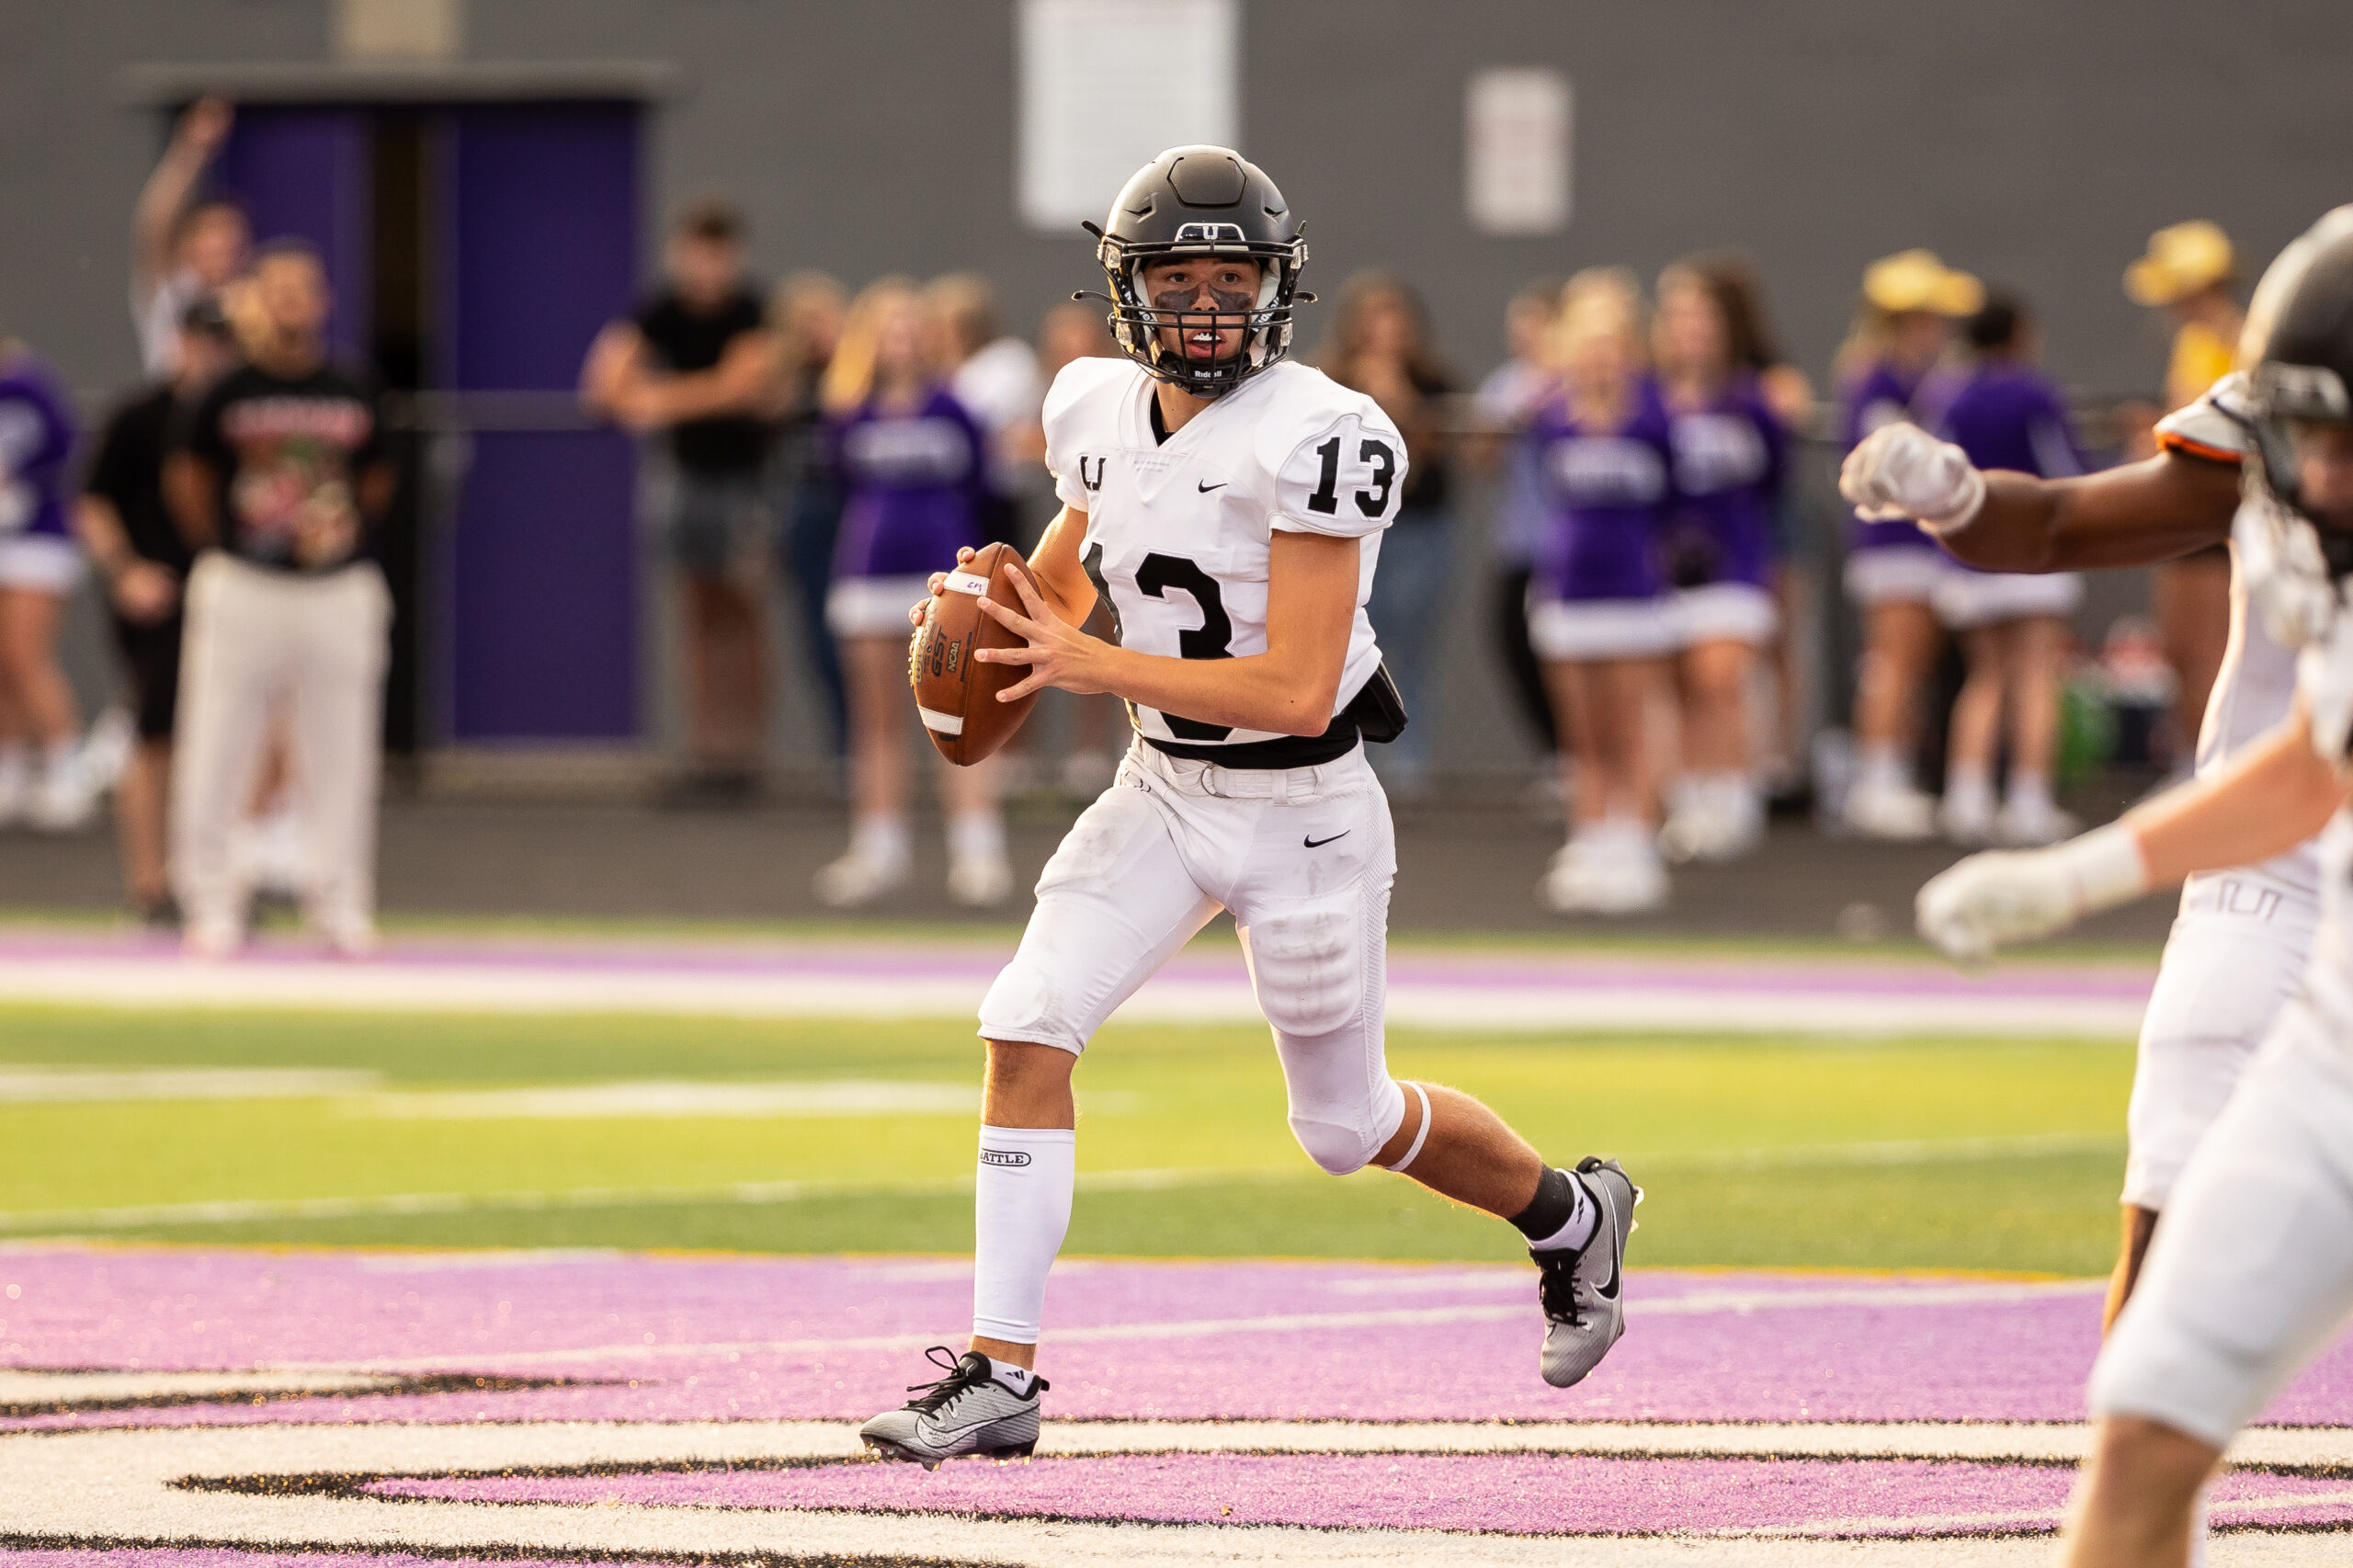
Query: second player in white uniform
x=2242, y=936
x=1229, y=508
x=2251, y=1272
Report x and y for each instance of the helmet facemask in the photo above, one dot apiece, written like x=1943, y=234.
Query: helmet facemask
x=2295, y=560
x=1265, y=320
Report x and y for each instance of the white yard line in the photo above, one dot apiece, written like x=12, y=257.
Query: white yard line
x=116, y=1487
x=521, y=987
x=1695, y=1304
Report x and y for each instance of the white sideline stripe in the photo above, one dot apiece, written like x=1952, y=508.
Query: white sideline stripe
x=521, y=987
x=1695, y=1304
x=946, y=723
x=235, y=1211
x=232, y=1211
x=53, y=1085
x=675, y=1098
x=21, y=1387
x=118, y=1486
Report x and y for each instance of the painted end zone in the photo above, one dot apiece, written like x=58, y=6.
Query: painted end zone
x=513, y=1403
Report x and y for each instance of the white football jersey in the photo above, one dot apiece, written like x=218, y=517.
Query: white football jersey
x=1178, y=532
x=2256, y=684
x=2324, y=678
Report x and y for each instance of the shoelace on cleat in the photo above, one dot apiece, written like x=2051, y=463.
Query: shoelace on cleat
x=1556, y=1288
x=936, y=1395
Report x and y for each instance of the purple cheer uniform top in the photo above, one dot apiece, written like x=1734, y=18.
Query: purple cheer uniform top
x=912, y=494
x=1609, y=491
x=2009, y=416
x=1881, y=395
x=36, y=448
x=1730, y=459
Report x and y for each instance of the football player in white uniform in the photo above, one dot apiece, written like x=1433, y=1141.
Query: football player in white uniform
x=2251, y=1273
x=1229, y=505
x=2243, y=935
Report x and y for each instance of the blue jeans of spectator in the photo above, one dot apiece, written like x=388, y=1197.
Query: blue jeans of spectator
x=1408, y=611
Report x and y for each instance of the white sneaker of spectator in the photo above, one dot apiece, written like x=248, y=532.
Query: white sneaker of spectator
x=106, y=747
x=877, y=862
x=62, y=802
x=1880, y=810
x=2029, y=822
x=1966, y=813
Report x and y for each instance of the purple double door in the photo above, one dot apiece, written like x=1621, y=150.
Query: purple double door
x=509, y=233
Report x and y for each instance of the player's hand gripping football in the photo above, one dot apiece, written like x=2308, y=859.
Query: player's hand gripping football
x=2004, y=897
x=1901, y=471
x=1058, y=654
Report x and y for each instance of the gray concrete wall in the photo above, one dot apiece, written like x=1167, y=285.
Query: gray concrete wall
x=2037, y=143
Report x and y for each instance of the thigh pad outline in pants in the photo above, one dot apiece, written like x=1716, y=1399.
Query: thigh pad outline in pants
x=2252, y=1268
x=1314, y=926
x=2232, y=961
x=1115, y=903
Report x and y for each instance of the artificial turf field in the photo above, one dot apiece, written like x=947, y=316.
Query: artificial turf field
x=1999, y=1155
x=385, y=1282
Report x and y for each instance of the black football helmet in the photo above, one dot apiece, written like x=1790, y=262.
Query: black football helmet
x=2306, y=375
x=1201, y=201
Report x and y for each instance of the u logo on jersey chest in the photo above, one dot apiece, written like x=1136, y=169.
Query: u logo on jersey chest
x=1090, y=471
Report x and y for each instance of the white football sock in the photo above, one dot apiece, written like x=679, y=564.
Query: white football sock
x=1020, y=1211
x=1583, y=1221
x=1018, y=1378
x=975, y=835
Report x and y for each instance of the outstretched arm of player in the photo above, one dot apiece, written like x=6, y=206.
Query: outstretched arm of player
x=2134, y=516
x=2273, y=796
x=1289, y=690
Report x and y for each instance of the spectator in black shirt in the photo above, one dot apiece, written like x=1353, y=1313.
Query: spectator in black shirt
x=277, y=479
x=700, y=362
x=128, y=535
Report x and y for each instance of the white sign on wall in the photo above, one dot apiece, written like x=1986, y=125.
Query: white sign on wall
x=1516, y=150
x=1108, y=85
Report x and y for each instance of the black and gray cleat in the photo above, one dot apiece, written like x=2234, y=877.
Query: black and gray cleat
x=1585, y=1311
x=967, y=1411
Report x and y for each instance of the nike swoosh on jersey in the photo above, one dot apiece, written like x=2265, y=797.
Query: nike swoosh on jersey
x=1320, y=843
x=1206, y=488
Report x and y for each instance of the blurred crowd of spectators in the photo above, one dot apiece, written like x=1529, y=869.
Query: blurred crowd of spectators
x=1639, y=558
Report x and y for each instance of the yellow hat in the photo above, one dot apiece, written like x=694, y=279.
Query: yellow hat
x=2181, y=260
x=1917, y=280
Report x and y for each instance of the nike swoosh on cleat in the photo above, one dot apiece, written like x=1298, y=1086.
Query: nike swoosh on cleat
x=1320, y=843
x=1206, y=488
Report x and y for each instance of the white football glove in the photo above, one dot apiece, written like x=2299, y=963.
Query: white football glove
x=2008, y=896
x=1901, y=471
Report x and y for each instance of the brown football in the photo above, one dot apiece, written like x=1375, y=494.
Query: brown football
x=955, y=694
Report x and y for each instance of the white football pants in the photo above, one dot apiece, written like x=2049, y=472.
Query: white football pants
x=1303, y=856
x=2251, y=1273
x=258, y=641
x=2235, y=955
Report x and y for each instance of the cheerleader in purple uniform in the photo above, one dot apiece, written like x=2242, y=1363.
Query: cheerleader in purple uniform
x=911, y=465
x=2012, y=626
x=1598, y=615
x=1730, y=460
x=1893, y=569
x=40, y=772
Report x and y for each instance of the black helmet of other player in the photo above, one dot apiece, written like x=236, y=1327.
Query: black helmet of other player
x=2305, y=376
x=1201, y=201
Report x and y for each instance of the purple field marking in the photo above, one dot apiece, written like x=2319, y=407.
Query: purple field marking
x=501, y=1314
x=2104, y=980
x=1507, y=1493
